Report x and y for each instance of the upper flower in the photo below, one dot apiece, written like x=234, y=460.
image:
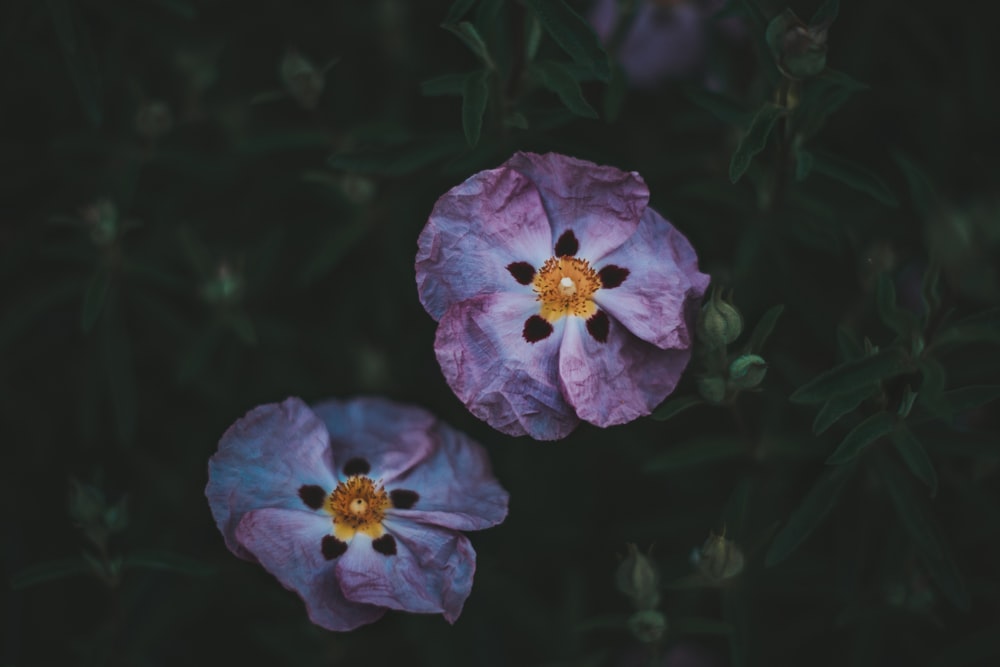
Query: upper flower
x=559, y=294
x=355, y=506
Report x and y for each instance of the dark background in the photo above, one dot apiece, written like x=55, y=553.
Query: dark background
x=243, y=267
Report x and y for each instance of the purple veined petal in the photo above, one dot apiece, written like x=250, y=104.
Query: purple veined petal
x=430, y=572
x=511, y=384
x=288, y=543
x=376, y=437
x=263, y=461
x=655, y=301
x=599, y=205
x=476, y=230
x=453, y=488
x=619, y=380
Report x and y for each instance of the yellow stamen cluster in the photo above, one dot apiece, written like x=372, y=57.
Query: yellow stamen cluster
x=358, y=506
x=565, y=286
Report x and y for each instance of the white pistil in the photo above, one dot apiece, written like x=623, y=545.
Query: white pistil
x=567, y=286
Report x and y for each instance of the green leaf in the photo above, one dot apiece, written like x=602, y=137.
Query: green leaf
x=167, y=561
x=333, y=250
x=118, y=364
x=852, y=376
x=754, y=11
x=838, y=406
x=900, y=321
x=614, y=94
x=915, y=458
x=982, y=327
x=400, y=160
x=51, y=570
x=697, y=452
x=458, y=9
x=675, y=405
x=861, y=436
x=754, y=139
x=556, y=78
x=467, y=32
x=446, y=84
x=573, y=34
x=723, y=107
x=765, y=325
x=475, y=95
x=922, y=191
x=855, y=176
x=803, y=164
x=844, y=80
x=95, y=296
x=932, y=386
x=969, y=398
x=848, y=346
x=826, y=14
x=691, y=625
x=75, y=43
x=815, y=507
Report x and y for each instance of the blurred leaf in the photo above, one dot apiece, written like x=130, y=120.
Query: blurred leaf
x=855, y=176
x=982, y=327
x=75, y=43
x=573, y=34
x=458, y=9
x=932, y=383
x=843, y=80
x=95, y=296
x=118, y=364
x=976, y=649
x=475, y=95
x=721, y=106
x=241, y=325
x=838, y=406
x=675, y=405
x=691, y=625
x=915, y=458
x=696, y=452
x=167, y=561
x=48, y=571
x=969, y=398
x=21, y=314
x=332, y=250
x=755, y=13
x=848, y=346
x=556, y=78
x=400, y=160
x=900, y=321
x=815, y=507
x=827, y=13
x=765, y=325
x=851, y=376
x=467, y=32
x=803, y=164
x=922, y=191
x=446, y=84
x=615, y=93
x=861, y=436
x=754, y=139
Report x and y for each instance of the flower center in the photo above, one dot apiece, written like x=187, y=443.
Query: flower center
x=358, y=506
x=565, y=286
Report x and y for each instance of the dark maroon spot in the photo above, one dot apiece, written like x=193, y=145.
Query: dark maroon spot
x=312, y=495
x=356, y=467
x=332, y=547
x=385, y=545
x=536, y=328
x=598, y=326
x=522, y=272
x=403, y=499
x=567, y=244
x=612, y=276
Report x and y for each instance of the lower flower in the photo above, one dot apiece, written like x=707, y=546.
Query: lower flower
x=355, y=506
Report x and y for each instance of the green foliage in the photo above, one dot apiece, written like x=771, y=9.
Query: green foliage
x=573, y=34
x=475, y=95
x=558, y=79
x=755, y=139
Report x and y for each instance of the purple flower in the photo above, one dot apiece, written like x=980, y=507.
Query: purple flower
x=559, y=295
x=355, y=506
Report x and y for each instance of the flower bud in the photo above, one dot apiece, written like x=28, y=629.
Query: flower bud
x=719, y=558
x=638, y=578
x=799, y=50
x=647, y=626
x=102, y=218
x=711, y=388
x=719, y=322
x=304, y=82
x=747, y=371
x=224, y=287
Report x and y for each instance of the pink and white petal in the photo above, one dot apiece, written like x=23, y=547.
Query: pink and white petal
x=288, y=543
x=430, y=572
x=384, y=438
x=655, y=301
x=511, y=384
x=263, y=461
x=453, y=488
x=475, y=231
x=619, y=380
x=600, y=205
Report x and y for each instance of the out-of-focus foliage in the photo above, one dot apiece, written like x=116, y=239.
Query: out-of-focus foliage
x=209, y=204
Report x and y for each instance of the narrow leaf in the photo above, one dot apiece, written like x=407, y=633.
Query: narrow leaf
x=573, y=34
x=446, y=84
x=847, y=345
x=765, y=325
x=74, y=41
x=861, y=436
x=697, y=452
x=556, y=78
x=969, y=398
x=838, y=406
x=900, y=321
x=826, y=14
x=475, y=95
x=95, y=296
x=915, y=458
x=458, y=9
x=467, y=32
x=754, y=139
x=922, y=191
x=721, y=106
x=674, y=406
x=48, y=571
x=754, y=11
x=166, y=561
x=851, y=376
x=815, y=507
x=855, y=176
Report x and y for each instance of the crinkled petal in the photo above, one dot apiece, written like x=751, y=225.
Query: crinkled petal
x=600, y=205
x=663, y=283
x=476, y=230
x=509, y=383
x=390, y=437
x=619, y=380
x=431, y=571
x=263, y=461
x=455, y=485
x=288, y=543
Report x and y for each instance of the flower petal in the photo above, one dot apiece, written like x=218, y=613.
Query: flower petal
x=263, y=461
x=502, y=378
x=431, y=571
x=476, y=230
x=288, y=544
x=455, y=486
x=663, y=286
x=619, y=380
x=600, y=205
x=389, y=438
